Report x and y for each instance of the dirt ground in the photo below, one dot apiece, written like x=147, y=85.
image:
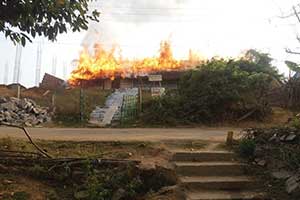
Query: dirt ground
x=21, y=187
x=131, y=134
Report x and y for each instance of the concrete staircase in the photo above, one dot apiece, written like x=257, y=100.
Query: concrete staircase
x=214, y=175
x=111, y=112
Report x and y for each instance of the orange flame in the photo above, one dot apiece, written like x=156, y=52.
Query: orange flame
x=104, y=64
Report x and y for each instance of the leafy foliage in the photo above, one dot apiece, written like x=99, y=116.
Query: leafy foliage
x=292, y=87
x=23, y=20
x=102, y=187
x=293, y=66
x=257, y=62
x=247, y=147
x=218, y=90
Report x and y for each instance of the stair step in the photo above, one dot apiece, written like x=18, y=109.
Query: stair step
x=209, y=168
x=203, y=156
x=218, y=182
x=225, y=195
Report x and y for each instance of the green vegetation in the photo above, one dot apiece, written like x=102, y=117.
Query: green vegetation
x=24, y=20
x=88, y=179
x=91, y=182
x=21, y=196
x=276, y=158
x=103, y=186
x=247, y=148
x=218, y=91
x=292, y=88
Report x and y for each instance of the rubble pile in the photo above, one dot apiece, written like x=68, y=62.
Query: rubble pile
x=275, y=135
x=278, y=152
x=23, y=112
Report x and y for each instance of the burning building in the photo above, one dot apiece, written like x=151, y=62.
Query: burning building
x=103, y=68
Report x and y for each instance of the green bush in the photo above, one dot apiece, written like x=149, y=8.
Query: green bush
x=217, y=91
x=102, y=186
x=21, y=196
x=295, y=123
x=247, y=147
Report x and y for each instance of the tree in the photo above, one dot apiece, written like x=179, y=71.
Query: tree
x=258, y=62
x=22, y=20
x=295, y=13
x=293, y=66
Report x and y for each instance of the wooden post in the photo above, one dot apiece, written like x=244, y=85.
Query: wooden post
x=18, y=91
x=140, y=95
x=140, y=99
x=229, y=140
x=81, y=102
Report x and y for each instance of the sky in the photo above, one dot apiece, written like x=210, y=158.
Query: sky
x=224, y=28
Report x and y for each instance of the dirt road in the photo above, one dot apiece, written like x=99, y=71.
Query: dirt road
x=137, y=134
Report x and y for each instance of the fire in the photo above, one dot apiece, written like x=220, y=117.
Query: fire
x=105, y=64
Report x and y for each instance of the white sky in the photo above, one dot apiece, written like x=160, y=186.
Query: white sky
x=212, y=27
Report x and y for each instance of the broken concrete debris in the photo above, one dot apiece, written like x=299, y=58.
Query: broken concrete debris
x=293, y=185
x=23, y=112
x=281, y=174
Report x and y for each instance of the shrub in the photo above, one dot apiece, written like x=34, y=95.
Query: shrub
x=247, y=147
x=21, y=196
x=295, y=122
x=217, y=91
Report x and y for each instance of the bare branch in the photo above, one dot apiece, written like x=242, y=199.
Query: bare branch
x=296, y=13
x=29, y=138
x=292, y=52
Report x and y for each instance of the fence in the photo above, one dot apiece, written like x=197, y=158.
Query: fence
x=129, y=109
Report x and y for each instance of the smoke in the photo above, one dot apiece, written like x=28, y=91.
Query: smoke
x=137, y=26
x=209, y=27
x=142, y=11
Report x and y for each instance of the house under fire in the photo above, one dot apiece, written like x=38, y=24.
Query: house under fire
x=169, y=80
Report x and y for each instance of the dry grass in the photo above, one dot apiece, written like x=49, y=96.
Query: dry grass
x=68, y=104
x=146, y=151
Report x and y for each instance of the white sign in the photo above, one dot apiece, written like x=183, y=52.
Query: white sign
x=155, y=78
x=157, y=91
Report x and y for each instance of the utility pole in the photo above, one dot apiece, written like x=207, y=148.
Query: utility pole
x=17, y=69
x=17, y=64
x=5, y=78
x=54, y=65
x=38, y=64
x=65, y=70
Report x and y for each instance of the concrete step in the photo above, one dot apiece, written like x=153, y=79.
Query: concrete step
x=209, y=168
x=225, y=195
x=202, y=156
x=108, y=116
x=218, y=182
